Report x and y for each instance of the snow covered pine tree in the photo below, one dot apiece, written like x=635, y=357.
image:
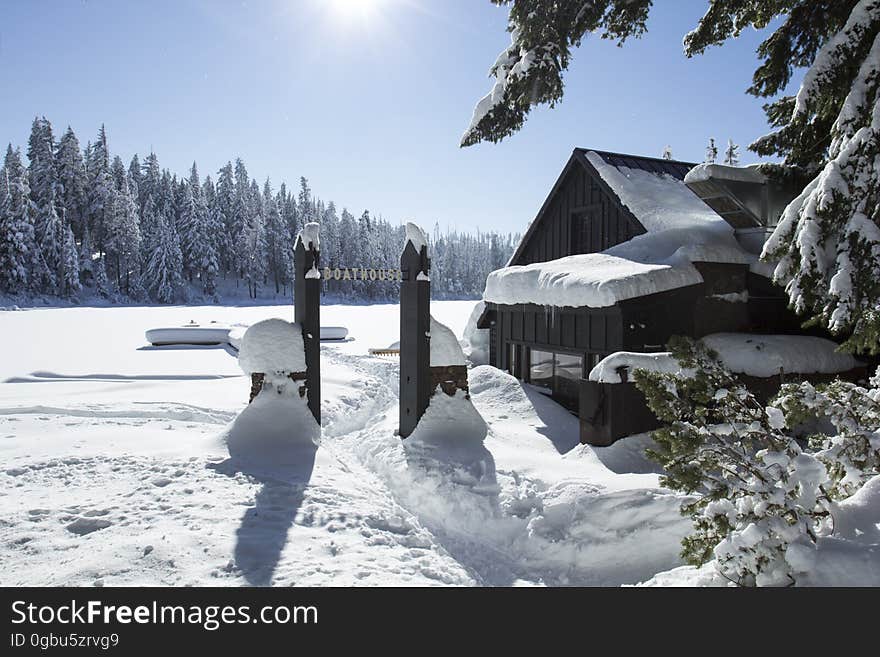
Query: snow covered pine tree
x=711, y=151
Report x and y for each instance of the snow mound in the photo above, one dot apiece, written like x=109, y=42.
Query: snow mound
x=445, y=349
x=768, y=355
x=476, y=340
x=274, y=430
x=606, y=371
x=272, y=345
x=415, y=235
x=449, y=439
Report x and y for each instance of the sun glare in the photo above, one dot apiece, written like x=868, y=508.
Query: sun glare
x=355, y=9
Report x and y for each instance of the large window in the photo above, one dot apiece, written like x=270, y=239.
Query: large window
x=568, y=371
x=559, y=373
x=541, y=368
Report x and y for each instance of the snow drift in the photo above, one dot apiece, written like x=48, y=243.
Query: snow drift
x=476, y=340
x=445, y=349
x=277, y=427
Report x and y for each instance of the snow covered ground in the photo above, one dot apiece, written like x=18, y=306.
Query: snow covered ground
x=114, y=469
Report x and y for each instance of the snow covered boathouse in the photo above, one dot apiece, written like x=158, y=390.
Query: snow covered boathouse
x=621, y=256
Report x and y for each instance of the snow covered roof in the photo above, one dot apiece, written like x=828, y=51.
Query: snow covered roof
x=707, y=171
x=595, y=280
x=768, y=355
x=680, y=230
x=751, y=354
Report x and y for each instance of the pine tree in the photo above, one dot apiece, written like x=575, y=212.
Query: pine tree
x=212, y=229
x=304, y=205
x=711, y=151
x=190, y=231
x=99, y=188
x=16, y=225
x=223, y=211
x=731, y=154
x=122, y=241
x=71, y=177
x=102, y=285
x=277, y=244
x=86, y=255
x=241, y=219
x=150, y=183
x=69, y=278
x=529, y=71
x=162, y=276
x=255, y=255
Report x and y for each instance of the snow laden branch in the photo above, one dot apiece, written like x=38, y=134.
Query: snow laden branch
x=827, y=242
x=763, y=495
x=529, y=71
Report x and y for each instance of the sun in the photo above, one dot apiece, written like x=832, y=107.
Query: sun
x=355, y=9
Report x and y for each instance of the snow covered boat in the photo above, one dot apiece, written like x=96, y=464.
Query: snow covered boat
x=211, y=334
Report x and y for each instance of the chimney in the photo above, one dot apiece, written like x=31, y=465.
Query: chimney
x=744, y=197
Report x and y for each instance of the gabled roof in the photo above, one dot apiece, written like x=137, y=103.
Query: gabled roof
x=678, y=231
x=675, y=168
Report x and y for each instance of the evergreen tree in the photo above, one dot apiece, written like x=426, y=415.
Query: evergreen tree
x=150, y=183
x=212, y=229
x=162, y=276
x=190, y=230
x=304, y=206
x=224, y=212
x=711, y=151
x=241, y=219
x=16, y=225
x=255, y=255
x=123, y=236
x=731, y=154
x=99, y=189
x=71, y=178
x=277, y=242
x=69, y=279
x=529, y=71
x=102, y=286
x=86, y=255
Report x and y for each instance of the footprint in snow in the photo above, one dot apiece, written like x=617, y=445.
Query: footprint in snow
x=83, y=526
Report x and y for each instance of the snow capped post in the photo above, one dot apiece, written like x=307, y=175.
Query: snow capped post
x=307, y=309
x=415, y=330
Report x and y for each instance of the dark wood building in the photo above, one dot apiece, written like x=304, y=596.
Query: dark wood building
x=604, y=200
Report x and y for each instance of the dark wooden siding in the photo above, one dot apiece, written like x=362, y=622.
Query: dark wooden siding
x=572, y=330
x=580, y=206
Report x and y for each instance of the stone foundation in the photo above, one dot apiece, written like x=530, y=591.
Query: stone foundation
x=450, y=378
x=258, y=381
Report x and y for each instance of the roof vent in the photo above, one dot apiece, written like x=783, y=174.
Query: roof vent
x=744, y=197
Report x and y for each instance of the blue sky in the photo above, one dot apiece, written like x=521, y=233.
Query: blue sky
x=368, y=102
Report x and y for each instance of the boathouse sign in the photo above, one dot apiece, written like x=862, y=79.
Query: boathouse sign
x=361, y=274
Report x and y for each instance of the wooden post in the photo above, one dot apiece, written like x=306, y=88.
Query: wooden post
x=415, y=345
x=307, y=313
